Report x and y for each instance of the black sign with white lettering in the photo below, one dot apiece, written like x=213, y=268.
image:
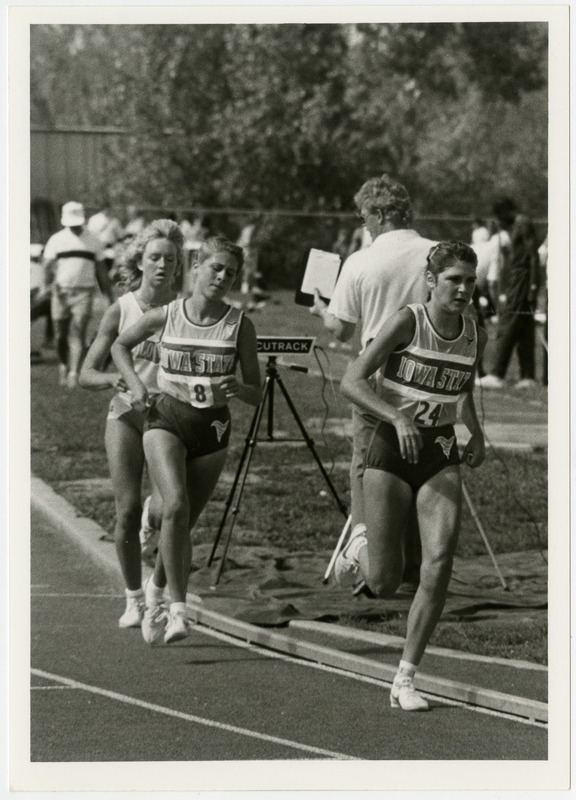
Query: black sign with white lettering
x=276, y=345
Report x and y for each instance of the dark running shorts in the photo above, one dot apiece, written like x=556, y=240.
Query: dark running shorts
x=120, y=410
x=201, y=430
x=439, y=450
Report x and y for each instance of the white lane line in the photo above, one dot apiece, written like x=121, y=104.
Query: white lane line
x=209, y=723
x=46, y=688
x=226, y=637
x=100, y=596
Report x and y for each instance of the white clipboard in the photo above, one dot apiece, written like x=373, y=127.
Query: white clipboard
x=321, y=272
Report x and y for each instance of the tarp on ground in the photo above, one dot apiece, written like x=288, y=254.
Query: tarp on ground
x=267, y=586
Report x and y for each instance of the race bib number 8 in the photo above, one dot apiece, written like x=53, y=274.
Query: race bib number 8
x=201, y=394
x=428, y=413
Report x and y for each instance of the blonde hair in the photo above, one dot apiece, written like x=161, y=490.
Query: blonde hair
x=131, y=258
x=219, y=244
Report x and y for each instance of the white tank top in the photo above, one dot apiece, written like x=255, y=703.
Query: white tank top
x=195, y=358
x=426, y=379
x=145, y=355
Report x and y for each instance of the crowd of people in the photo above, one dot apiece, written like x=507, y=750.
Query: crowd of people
x=175, y=351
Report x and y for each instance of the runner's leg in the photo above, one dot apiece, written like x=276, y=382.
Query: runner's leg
x=126, y=461
x=439, y=504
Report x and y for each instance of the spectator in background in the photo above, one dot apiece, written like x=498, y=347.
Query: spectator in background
x=516, y=329
x=108, y=228
x=542, y=315
x=480, y=232
x=253, y=295
x=74, y=262
x=505, y=211
x=374, y=283
x=39, y=298
x=134, y=221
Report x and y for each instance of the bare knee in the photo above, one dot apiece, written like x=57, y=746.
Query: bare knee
x=385, y=583
x=435, y=571
x=175, y=509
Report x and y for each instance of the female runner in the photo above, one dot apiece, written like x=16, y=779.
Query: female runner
x=148, y=270
x=426, y=355
x=202, y=339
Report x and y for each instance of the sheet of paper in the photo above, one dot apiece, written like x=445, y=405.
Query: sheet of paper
x=321, y=273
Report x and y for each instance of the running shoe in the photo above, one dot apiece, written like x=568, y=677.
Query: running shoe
x=526, y=383
x=347, y=567
x=178, y=626
x=403, y=695
x=149, y=536
x=154, y=622
x=132, y=616
x=490, y=382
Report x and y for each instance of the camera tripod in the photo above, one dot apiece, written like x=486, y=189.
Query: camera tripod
x=239, y=482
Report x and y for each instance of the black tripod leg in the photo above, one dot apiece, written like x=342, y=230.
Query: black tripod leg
x=250, y=441
x=248, y=451
x=311, y=447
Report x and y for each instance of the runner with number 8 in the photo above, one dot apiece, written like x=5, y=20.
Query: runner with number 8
x=202, y=341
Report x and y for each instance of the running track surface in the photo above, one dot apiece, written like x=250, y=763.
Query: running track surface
x=99, y=693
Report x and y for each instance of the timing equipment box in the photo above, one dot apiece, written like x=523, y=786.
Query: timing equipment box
x=280, y=345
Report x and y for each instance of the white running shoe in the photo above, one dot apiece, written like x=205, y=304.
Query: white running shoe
x=132, y=616
x=178, y=626
x=490, y=382
x=526, y=383
x=154, y=622
x=403, y=695
x=346, y=566
x=149, y=536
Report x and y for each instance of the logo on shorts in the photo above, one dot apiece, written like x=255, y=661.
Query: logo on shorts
x=220, y=428
x=445, y=444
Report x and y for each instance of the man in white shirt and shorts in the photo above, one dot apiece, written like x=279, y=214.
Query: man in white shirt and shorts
x=373, y=284
x=74, y=262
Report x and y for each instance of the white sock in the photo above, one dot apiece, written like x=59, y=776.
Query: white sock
x=174, y=607
x=153, y=592
x=134, y=592
x=406, y=668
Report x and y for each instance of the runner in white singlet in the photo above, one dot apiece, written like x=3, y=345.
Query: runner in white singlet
x=148, y=270
x=427, y=356
x=202, y=340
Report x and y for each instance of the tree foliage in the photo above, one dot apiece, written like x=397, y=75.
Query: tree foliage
x=297, y=116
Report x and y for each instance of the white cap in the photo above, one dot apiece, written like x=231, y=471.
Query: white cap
x=72, y=214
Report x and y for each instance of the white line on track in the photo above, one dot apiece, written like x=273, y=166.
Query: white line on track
x=100, y=596
x=209, y=723
x=323, y=667
x=225, y=637
x=48, y=688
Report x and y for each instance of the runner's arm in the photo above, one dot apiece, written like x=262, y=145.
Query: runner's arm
x=148, y=324
x=93, y=374
x=396, y=332
x=249, y=390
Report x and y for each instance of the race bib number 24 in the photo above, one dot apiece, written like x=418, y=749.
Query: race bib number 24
x=428, y=413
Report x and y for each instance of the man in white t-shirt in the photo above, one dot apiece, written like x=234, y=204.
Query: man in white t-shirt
x=373, y=284
x=75, y=268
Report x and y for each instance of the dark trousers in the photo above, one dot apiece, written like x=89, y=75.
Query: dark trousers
x=515, y=330
x=42, y=309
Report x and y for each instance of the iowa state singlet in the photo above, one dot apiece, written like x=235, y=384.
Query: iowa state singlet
x=195, y=358
x=426, y=379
